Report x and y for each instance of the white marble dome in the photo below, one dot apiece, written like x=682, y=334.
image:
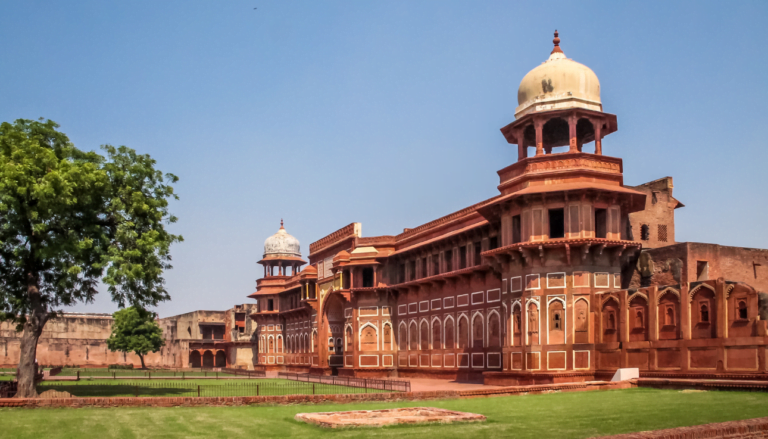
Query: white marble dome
x=557, y=84
x=282, y=244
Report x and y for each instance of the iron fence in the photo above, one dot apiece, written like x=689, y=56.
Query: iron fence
x=366, y=383
x=184, y=389
x=158, y=373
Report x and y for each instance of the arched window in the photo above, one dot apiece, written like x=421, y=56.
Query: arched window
x=611, y=321
x=339, y=346
x=639, y=321
x=704, y=318
x=557, y=323
x=348, y=335
x=645, y=232
x=742, y=310
x=402, y=338
x=670, y=316
x=331, y=345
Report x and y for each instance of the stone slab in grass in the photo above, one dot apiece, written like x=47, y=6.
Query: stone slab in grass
x=379, y=418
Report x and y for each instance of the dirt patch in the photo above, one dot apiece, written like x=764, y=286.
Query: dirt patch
x=379, y=418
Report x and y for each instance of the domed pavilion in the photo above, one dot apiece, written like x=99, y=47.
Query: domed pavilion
x=281, y=252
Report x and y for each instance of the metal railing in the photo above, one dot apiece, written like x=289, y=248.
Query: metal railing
x=152, y=373
x=187, y=389
x=366, y=383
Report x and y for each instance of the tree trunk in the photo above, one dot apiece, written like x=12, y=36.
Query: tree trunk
x=33, y=327
x=141, y=357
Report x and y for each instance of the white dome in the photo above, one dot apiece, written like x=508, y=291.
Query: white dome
x=557, y=84
x=281, y=243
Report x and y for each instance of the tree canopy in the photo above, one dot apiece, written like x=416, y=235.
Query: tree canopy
x=134, y=329
x=69, y=218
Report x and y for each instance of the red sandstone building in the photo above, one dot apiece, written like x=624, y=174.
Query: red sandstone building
x=566, y=275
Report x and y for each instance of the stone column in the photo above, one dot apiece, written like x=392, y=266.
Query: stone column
x=573, y=147
x=720, y=309
x=653, y=313
x=685, y=312
x=522, y=150
x=598, y=137
x=538, y=125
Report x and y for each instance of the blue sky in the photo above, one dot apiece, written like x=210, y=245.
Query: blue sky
x=385, y=113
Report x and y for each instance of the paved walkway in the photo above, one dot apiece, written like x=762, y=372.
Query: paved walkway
x=428, y=385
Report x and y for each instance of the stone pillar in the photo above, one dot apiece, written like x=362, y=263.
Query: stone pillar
x=538, y=125
x=598, y=137
x=720, y=309
x=522, y=150
x=573, y=147
x=685, y=312
x=653, y=313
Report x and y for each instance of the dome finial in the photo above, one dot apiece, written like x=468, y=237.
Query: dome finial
x=281, y=223
x=556, y=41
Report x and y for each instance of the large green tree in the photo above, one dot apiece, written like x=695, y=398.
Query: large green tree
x=69, y=218
x=135, y=330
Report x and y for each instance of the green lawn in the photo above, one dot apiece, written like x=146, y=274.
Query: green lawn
x=558, y=415
x=192, y=387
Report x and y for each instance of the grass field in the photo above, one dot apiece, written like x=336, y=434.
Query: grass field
x=558, y=415
x=192, y=387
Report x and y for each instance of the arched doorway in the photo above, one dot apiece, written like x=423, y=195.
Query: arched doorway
x=221, y=359
x=194, y=359
x=208, y=359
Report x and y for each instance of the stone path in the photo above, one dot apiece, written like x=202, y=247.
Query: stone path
x=428, y=385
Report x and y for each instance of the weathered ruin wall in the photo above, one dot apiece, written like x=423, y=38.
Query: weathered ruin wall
x=659, y=211
x=677, y=264
x=80, y=340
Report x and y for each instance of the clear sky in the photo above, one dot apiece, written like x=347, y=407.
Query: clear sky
x=383, y=112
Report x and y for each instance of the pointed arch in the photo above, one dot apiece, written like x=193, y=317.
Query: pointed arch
x=493, y=329
x=424, y=334
x=437, y=333
x=697, y=288
x=636, y=295
x=556, y=313
x=386, y=336
x=402, y=336
x=413, y=336
x=581, y=320
x=368, y=339
x=609, y=298
x=449, y=332
x=533, y=326
x=463, y=331
x=668, y=290
x=348, y=338
x=478, y=330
